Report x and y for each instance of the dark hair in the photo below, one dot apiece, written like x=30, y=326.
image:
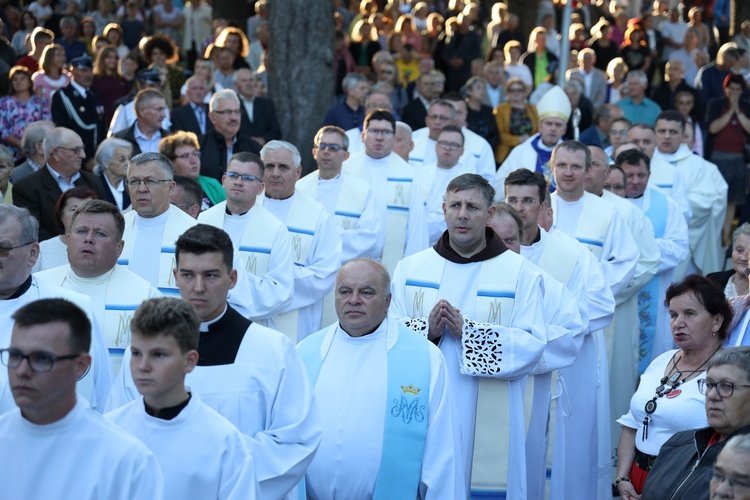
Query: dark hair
x=203, y=238
x=380, y=114
x=452, y=97
x=45, y=311
x=633, y=157
x=572, y=146
x=502, y=208
x=734, y=78
x=453, y=128
x=101, y=207
x=163, y=43
x=733, y=356
x=708, y=294
x=193, y=190
x=525, y=177
x=79, y=192
x=672, y=115
x=170, y=317
x=246, y=157
x=472, y=181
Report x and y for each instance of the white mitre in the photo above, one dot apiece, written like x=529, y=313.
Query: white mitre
x=554, y=104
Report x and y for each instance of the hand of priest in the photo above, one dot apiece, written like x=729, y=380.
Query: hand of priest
x=443, y=316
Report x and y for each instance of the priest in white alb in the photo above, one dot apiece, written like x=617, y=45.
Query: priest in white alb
x=250, y=374
x=399, y=205
x=384, y=400
x=153, y=225
x=483, y=304
x=94, y=245
x=262, y=246
x=377, y=99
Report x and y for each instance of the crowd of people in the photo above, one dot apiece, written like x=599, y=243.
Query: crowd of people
x=500, y=281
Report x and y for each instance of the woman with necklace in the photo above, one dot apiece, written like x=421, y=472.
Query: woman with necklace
x=668, y=400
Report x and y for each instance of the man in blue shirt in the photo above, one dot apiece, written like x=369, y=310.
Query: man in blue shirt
x=350, y=113
x=637, y=107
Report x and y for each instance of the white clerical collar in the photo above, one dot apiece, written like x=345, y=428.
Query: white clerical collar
x=61, y=425
x=369, y=160
x=379, y=332
x=81, y=90
x=682, y=152
x=204, y=325
x=571, y=203
x=331, y=180
x=243, y=215
x=98, y=280
x=158, y=220
x=273, y=202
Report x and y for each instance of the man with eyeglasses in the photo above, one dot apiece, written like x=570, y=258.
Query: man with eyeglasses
x=375, y=100
x=19, y=250
x=146, y=132
x=398, y=194
x=683, y=469
x=440, y=114
x=572, y=264
x=263, y=249
x=731, y=474
x=38, y=192
x=218, y=145
x=94, y=244
x=154, y=224
x=53, y=435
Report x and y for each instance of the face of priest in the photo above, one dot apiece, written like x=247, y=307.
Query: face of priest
x=329, y=161
x=449, y=149
x=732, y=464
x=728, y=415
x=668, y=136
x=94, y=244
x=150, y=201
x=15, y=264
x=569, y=170
x=362, y=297
x=204, y=282
x=402, y=143
x=597, y=172
x=615, y=182
x=45, y=397
x=159, y=367
x=551, y=130
x=644, y=138
x=438, y=117
x=636, y=178
x=525, y=199
x=241, y=194
x=508, y=231
x=378, y=138
x=281, y=174
x=467, y=214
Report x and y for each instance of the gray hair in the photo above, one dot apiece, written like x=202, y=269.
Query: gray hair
x=473, y=81
x=279, y=145
x=332, y=129
x=734, y=356
x=223, y=95
x=54, y=139
x=636, y=73
x=34, y=134
x=739, y=444
x=472, y=181
x=29, y=224
x=68, y=21
x=106, y=150
x=743, y=229
x=157, y=158
x=6, y=157
x=236, y=75
x=381, y=270
x=405, y=126
x=351, y=80
x=444, y=103
x=574, y=84
x=502, y=208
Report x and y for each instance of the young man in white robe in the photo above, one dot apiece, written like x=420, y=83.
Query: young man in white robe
x=374, y=100
x=383, y=395
x=250, y=374
x=19, y=250
x=262, y=247
x=576, y=267
x=315, y=241
x=94, y=245
x=53, y=444
x=595, y=223
x=483, y=305
x=399, y=205
x=201, y=454
x=671, y=233
x=534, y=153
x=707, y=194
x=153, y=225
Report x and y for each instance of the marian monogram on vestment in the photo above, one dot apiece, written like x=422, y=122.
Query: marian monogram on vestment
x=122, y=338
x=297, y=246
x=408, y=410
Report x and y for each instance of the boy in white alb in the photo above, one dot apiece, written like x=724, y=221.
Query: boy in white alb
x=201, y=454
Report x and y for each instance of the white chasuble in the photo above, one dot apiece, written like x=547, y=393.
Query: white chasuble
x=155, y=256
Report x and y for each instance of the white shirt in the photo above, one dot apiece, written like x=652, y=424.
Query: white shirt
x=146, y=143
x=147, y=236
x=62, y=181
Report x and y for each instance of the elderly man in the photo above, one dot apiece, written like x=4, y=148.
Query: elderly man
x=353, y=364
x=400, y=206
x=598, y=133
x=429, y=87
x=535, y=152
x=731, y=469
x=403, y=144
x=146, y=132
x=94, y=245
x=682, y=468
x=466, y=292
x=636, y=106
x=582, y=115
x=153, y=225
x=671, y=232
x=706, y=192
x=250, y=374
x=594, y=80
x=350, y=112
x=218, y=145
x=124, y=115
x=258, y=120
x=19, y=250
x=263, y=249
x=315, y=241
x=574, y=266
x=47, y=354
x=675, y=81
x=78, y=107
x=64, y=152
x=193, y=116
x=32, y=145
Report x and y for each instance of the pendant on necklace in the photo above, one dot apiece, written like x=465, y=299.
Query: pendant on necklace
x=650, y=407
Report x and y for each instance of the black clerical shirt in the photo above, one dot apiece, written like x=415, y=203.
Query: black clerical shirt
x=219, y=345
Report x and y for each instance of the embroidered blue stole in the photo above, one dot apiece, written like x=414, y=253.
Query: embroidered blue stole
x=648, y=296
x=406, y=419
x=543, y=163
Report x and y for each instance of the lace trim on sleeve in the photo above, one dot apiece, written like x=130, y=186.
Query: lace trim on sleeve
x=482, y=349
x=419, y=325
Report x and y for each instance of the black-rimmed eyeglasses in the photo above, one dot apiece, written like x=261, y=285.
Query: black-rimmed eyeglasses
x=725, y=389
x=38, y=361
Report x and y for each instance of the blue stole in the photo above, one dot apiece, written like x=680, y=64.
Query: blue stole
x=648, y=296
x=543, y=163
x=406, y=418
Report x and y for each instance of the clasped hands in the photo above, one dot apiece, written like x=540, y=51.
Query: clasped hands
x=442, y=316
